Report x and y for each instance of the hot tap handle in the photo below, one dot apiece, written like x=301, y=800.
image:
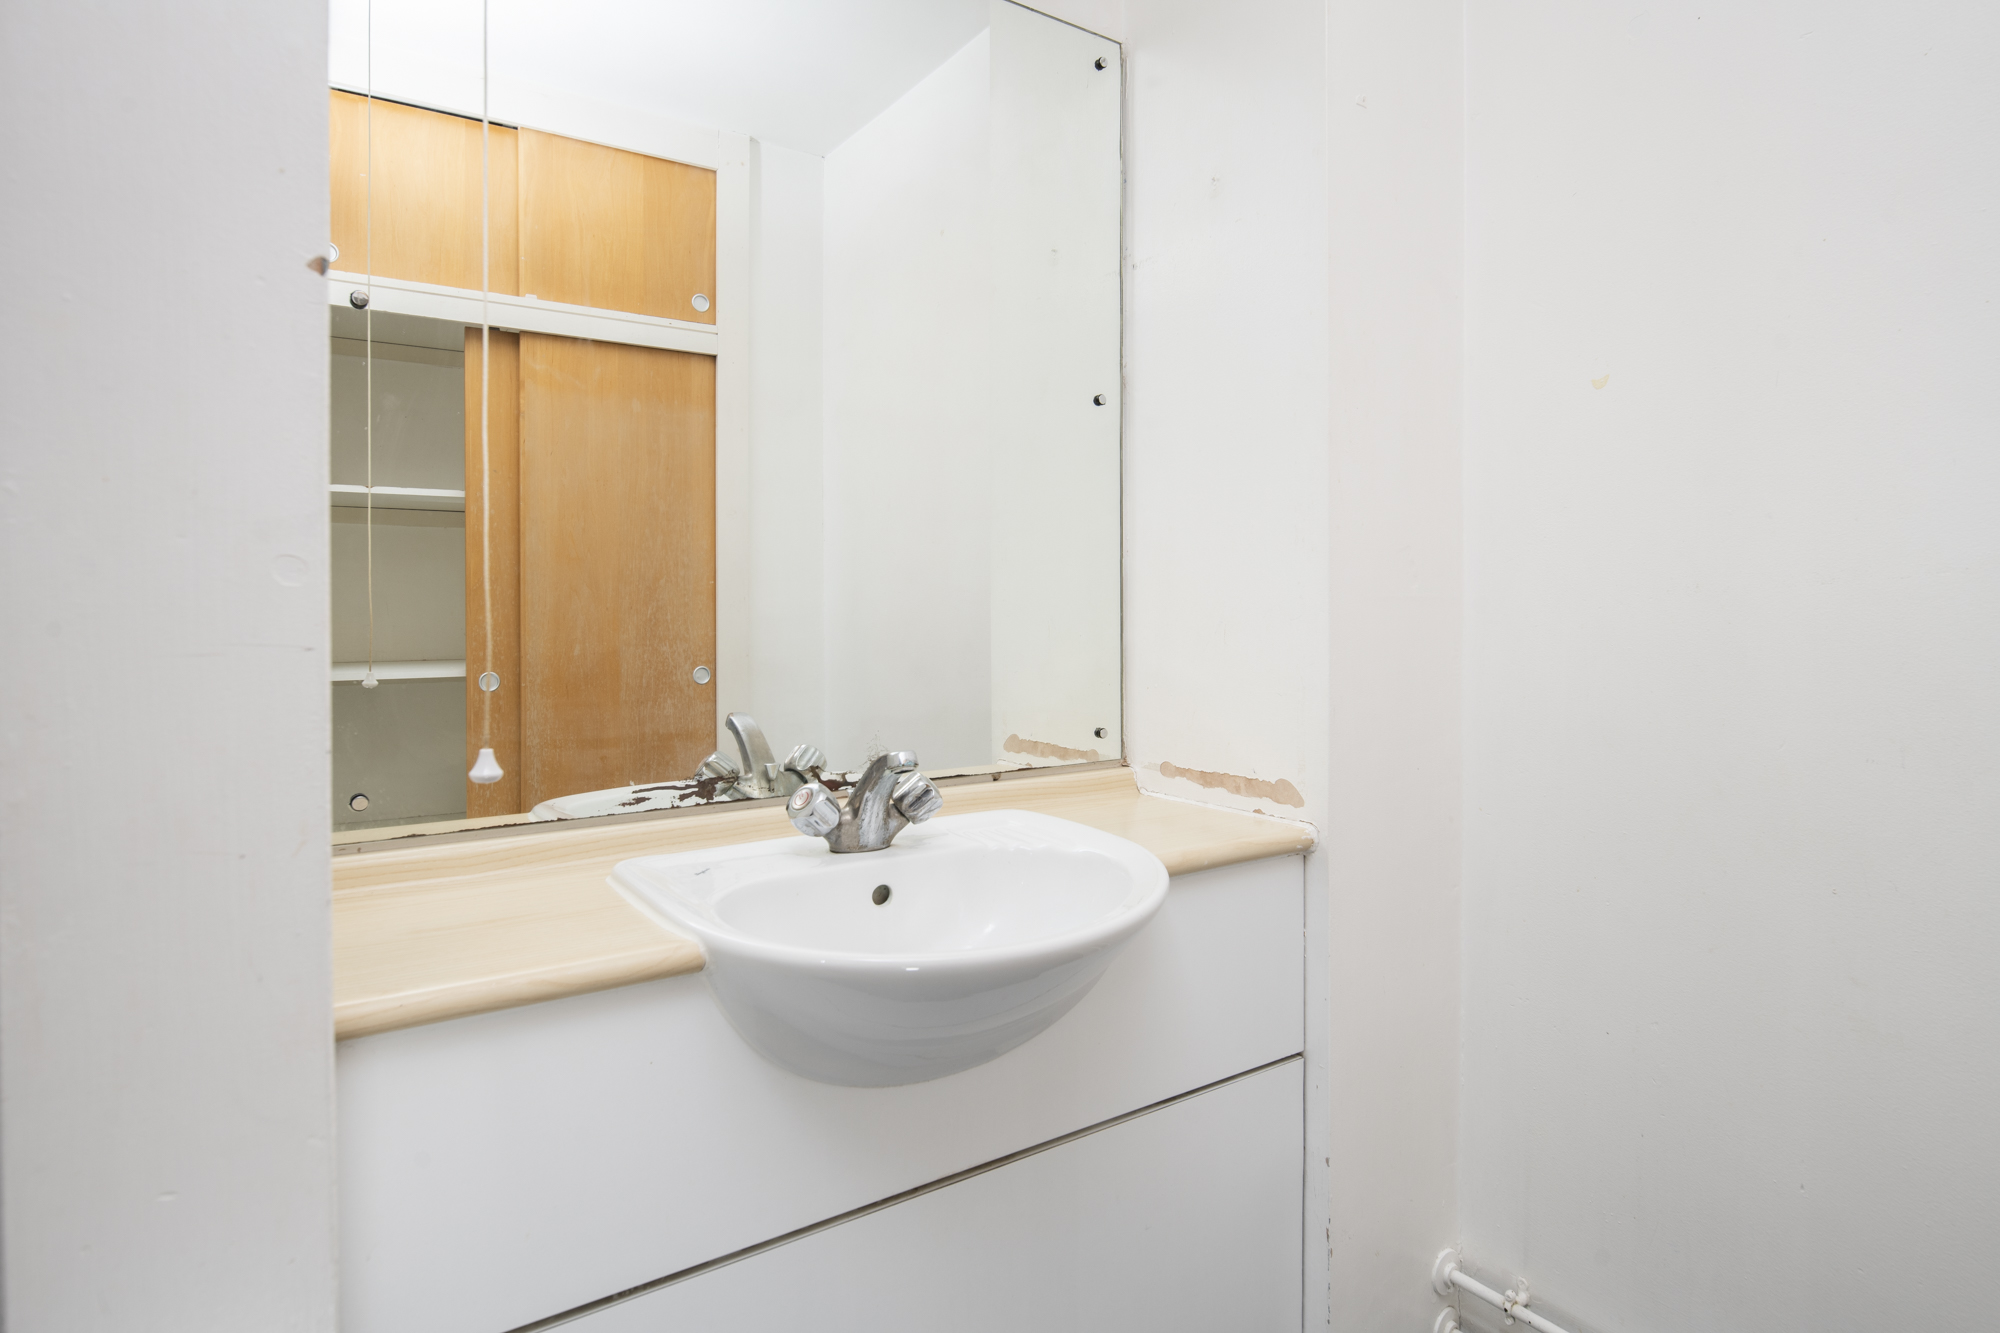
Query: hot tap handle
x=813, y=810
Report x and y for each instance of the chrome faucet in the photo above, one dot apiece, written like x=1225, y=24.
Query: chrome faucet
x=889, y=797
x=755, y=774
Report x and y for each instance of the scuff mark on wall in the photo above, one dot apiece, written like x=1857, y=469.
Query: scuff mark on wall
x=1281, y=791
x=1049, y=750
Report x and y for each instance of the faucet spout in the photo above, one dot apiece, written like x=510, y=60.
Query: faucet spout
x=876, y=819
x=754, y=775
x=759, y=770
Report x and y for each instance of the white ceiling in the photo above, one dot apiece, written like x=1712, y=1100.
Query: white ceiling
x=802, y=73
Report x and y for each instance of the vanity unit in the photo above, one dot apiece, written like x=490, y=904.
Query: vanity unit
x=545, y=1116
x=789, y=368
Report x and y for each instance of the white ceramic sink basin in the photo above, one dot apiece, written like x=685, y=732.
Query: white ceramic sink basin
x=993, y=925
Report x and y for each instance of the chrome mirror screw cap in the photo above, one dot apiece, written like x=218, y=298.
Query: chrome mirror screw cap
x=813, y=810
x=917, y=798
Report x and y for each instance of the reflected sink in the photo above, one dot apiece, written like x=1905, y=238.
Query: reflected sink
x=958, y=942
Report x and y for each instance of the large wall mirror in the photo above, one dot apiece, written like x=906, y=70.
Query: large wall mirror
x=721, y=394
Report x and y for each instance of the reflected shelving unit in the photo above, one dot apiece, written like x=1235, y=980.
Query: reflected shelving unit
x=352, y=672
x=402, y=743
x=399, y=497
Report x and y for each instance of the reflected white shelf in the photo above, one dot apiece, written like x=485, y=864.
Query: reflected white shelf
x=399, y=497
x=353, y=671
x=400, y=296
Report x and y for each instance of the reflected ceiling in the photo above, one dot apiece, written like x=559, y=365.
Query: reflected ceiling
x=805, y=74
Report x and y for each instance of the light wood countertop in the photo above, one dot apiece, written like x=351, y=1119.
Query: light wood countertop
x=444, y=929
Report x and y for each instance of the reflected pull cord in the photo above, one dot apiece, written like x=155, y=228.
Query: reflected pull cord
x=368, y=681
x=486, y=769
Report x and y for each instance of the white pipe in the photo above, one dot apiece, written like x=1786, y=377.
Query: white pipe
x=1446, y=1274
x=1513, y=1308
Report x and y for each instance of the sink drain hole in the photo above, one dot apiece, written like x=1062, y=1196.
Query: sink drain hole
x=881, y=894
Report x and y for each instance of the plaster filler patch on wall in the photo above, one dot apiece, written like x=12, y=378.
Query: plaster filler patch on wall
x=1281, y=791
x=1049, y=750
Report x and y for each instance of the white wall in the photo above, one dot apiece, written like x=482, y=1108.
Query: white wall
x=165, y=1040
x=1731, y=722
x=906, y=436
x=1293, y=310
x=1227, y=382
x=1392, y=834
x=786, y=561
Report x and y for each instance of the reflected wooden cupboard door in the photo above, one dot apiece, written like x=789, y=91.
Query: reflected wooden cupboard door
x=617, y=564
x=571, y=221
x=600, y=520
x=617, y=230
x=425, y=224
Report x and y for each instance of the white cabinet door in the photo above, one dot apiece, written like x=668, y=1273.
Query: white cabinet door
x=502, y=1169
x=1185, y=1218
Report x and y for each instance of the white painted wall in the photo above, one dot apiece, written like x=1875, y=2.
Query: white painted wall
x=165, y=1043
x=908, y=332
x=1731, y=723
x=1226, y=418
x=1293, y=311
x=787, y=691
x=1226, y=397
x=1392, y=831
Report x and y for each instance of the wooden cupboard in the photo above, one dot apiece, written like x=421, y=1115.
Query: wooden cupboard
x=617, y=230
x=425, y=208
x=571, y=221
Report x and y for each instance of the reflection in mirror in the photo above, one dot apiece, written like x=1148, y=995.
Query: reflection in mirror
x=782, y=431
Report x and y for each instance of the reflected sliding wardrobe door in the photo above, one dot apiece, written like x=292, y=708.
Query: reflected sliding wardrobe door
x=617, y=564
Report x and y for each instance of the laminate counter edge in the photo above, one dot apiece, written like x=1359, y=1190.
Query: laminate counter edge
x=433, y=932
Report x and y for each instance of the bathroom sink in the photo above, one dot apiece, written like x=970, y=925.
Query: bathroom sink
x=624, y=800
x=963, y=939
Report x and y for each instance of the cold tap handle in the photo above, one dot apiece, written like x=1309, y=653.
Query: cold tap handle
x=806, y=761
x=917, y=798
